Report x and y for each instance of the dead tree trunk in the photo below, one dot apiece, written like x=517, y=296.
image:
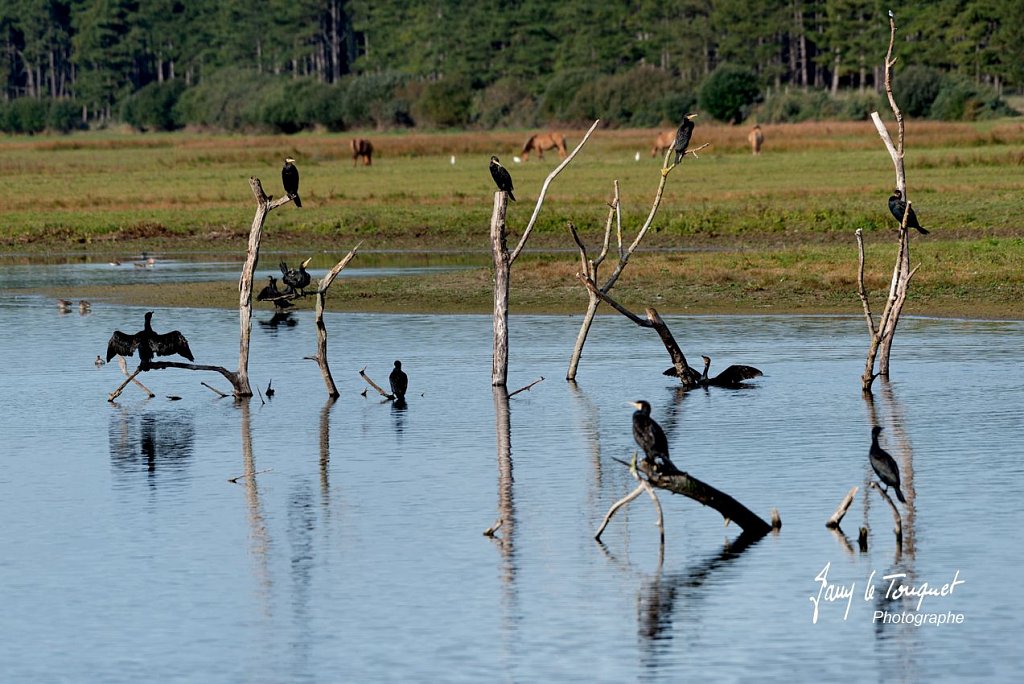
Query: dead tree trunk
x=590, y=267
x=264, y=205
x=321, y=329
x=883, y=332
x=687, y=375
x=691, y=487
x=503, y=260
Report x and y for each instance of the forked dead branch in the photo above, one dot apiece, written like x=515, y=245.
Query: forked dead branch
x=683, y=483
x=589, y=268
x=884, y=330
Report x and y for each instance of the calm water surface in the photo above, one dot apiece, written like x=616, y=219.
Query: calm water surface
x=356, y=553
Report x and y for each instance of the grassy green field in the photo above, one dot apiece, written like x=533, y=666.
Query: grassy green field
x=773, y=232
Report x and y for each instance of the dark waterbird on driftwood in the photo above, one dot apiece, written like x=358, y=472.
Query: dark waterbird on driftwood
x=898, y=207
x=733, y=376
x=651, y=438
x=149, y=344
x=271, y=293
x=501, y=177
x=296, y=278
x=884, y=465
x=683, y=136
x=399, y=382
x=290, y=181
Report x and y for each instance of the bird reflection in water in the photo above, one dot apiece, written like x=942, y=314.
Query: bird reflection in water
x=659, y=595
x=279, y=319
x=158, y=442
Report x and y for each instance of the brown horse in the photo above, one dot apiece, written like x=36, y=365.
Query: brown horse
x=544, y=141
x=663, y=142
x=362, y=149
x=756, y=139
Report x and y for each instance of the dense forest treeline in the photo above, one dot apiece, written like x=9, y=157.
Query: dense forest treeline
x=293, y=64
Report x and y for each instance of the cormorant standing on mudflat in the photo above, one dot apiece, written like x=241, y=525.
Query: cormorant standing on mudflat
x=149, y=343
x=501, y=177
x=296, y=279
x=683, y=136
x=651, y=438
x=884, y=465
x=290, y=181
x=898, y=206
x=399, y=382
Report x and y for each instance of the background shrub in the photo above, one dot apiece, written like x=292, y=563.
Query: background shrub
x=444, y=104
x=728, y=92
x=152, y=107
x=915, y=89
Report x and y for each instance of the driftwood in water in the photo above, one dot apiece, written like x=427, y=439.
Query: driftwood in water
x=371, y=383
x=844, y=505
x=321, y=329
x=883, y=332
x=503, y=260
x=590, y=267
x=691, y=487
x=687, y=375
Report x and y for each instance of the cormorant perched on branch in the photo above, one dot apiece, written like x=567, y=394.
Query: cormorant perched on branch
x=884, y=465
x=501, y=177
x=683, y=137
x=270, y=292
x=733, y=376
x=296, y=279
x=898, y=207
x=399, y=382
x=290, y=181
x=651, y=438
x=149, y=343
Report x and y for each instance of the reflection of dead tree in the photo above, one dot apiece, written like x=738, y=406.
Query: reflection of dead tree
x=503, y=260
x=239, y=379
x=506, y=505
x=321, y=329
x=906, y=459
x=687, y=375
x=882, y=333
x=691, y=487
x=590, y=267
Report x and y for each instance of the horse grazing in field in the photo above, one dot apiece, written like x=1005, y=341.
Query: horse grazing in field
x=362, y=149
x=544, y=141
x=663, y=142
x=756, y=139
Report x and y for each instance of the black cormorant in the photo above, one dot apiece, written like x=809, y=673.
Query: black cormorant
x=296, y=279
x=290, y=180
x=270, y=292
x=399, y=382
x=683, y=137
x=501, y=177
x=898, y=206
x=149, y=344
x=884, y=465
x=651, y=438
x=733, y=376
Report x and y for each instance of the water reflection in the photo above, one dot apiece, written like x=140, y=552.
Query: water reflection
x=505, y=538
x=891, y=417
x=658, y=601
x=278, y=320
x=325, y=452
x=259, y=537
x=155, y=442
